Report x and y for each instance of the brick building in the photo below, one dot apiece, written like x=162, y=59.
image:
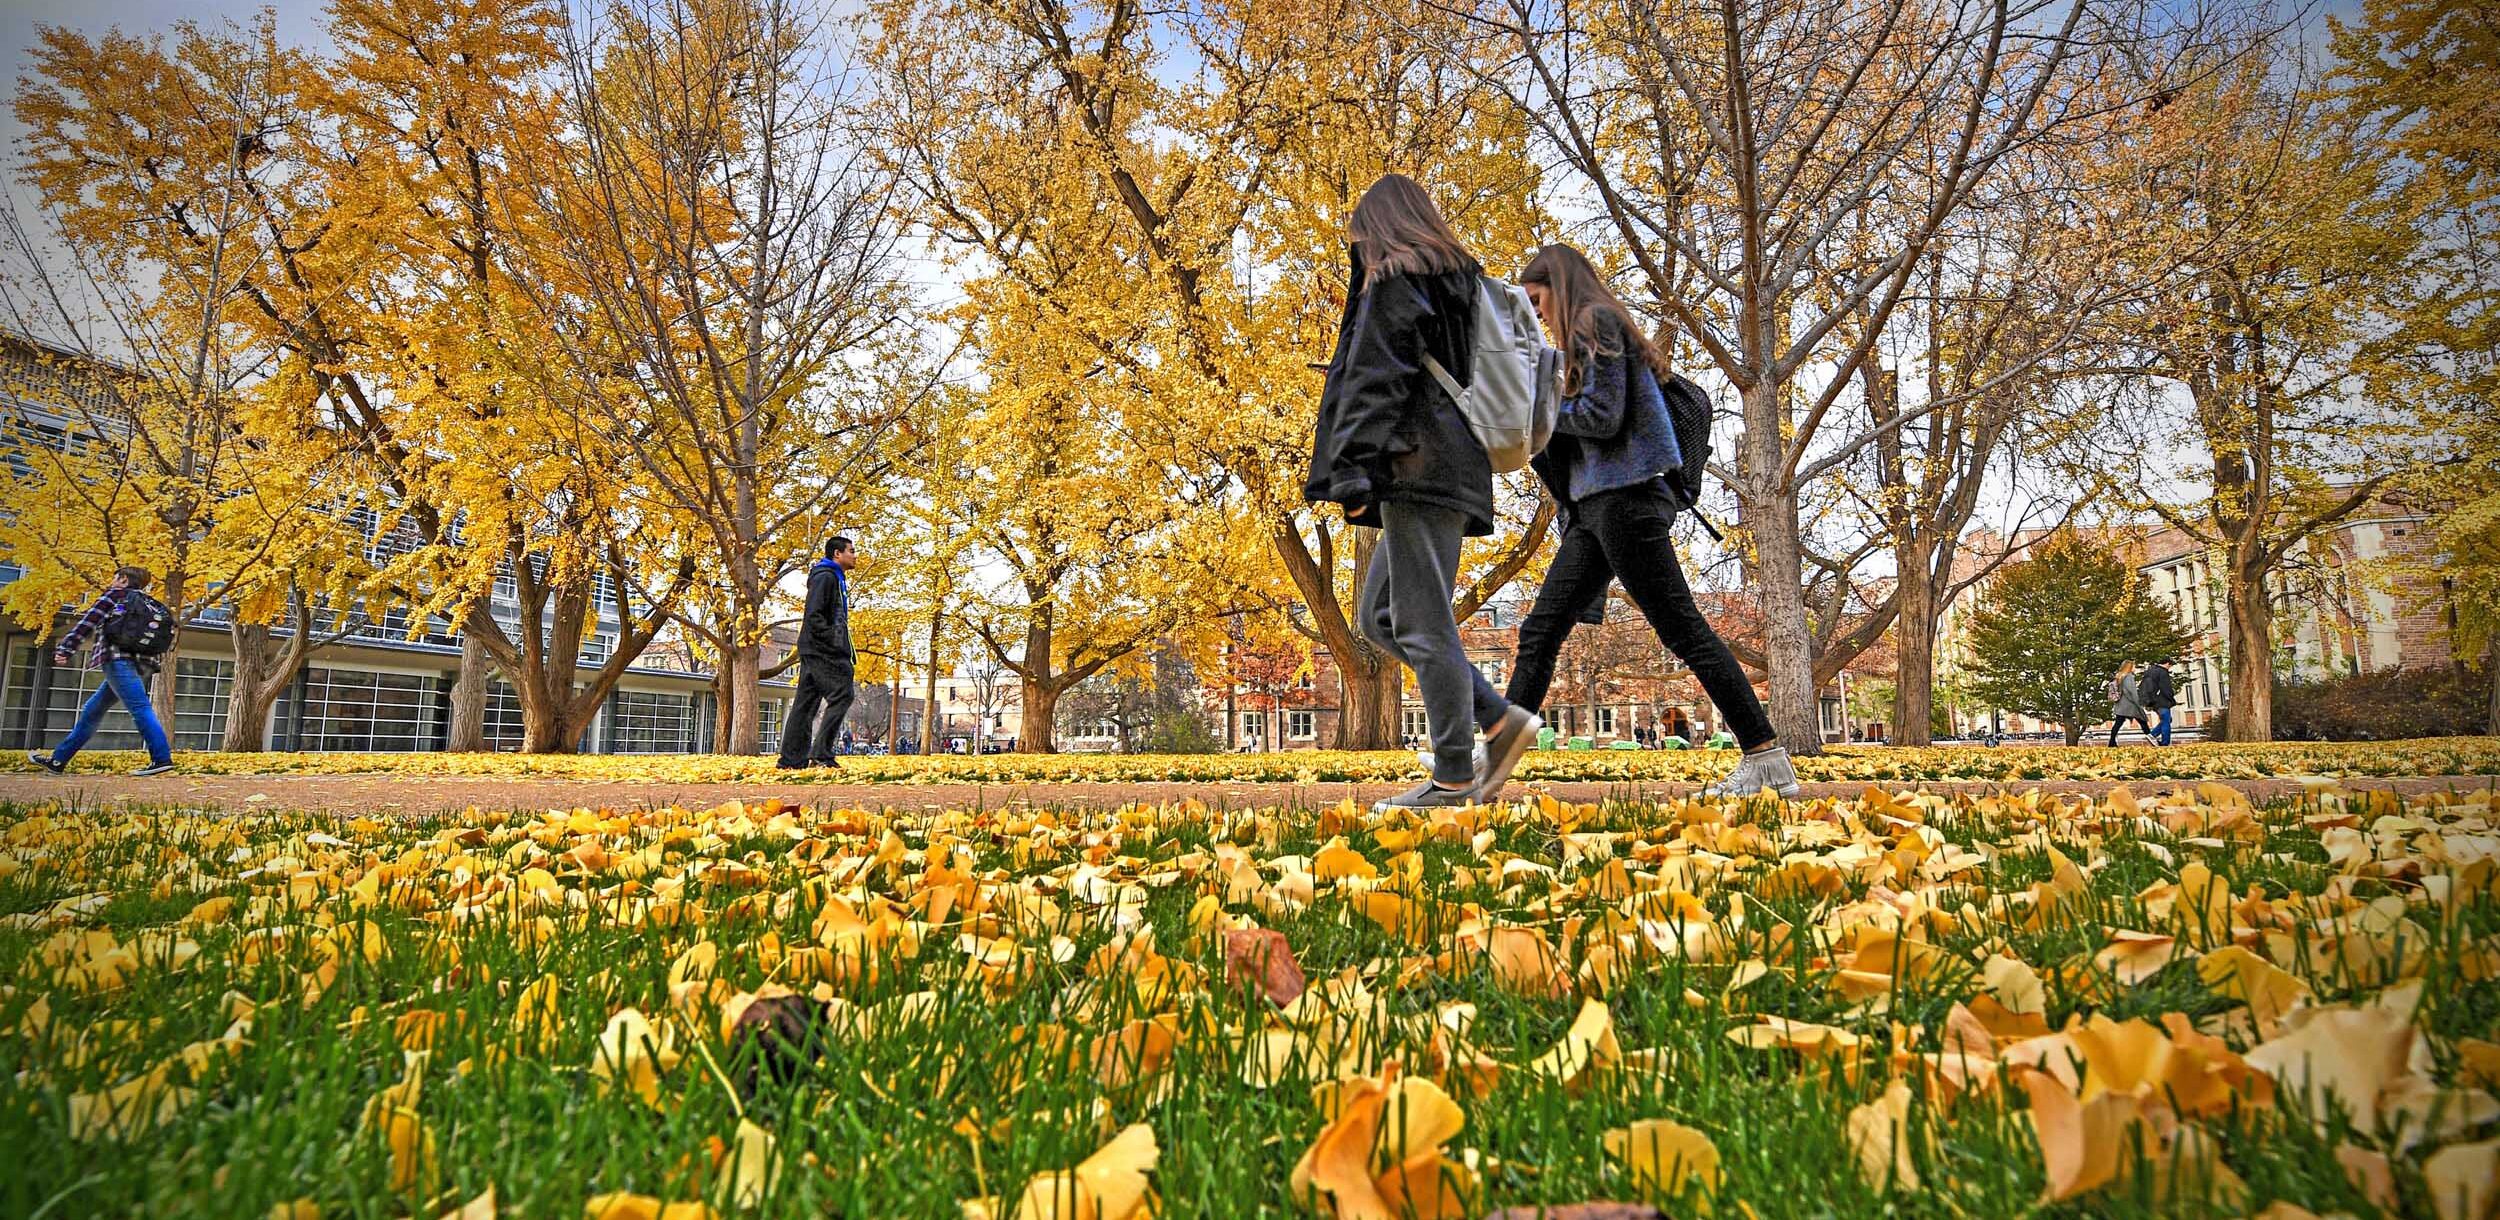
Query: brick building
x=2353, y=599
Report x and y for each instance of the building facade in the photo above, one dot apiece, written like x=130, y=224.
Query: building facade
x=383, y=687
x=2353, y=599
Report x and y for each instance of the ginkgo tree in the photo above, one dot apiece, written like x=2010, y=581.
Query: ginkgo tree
x=151, y=428
x=1225, y=189
x=712, y=223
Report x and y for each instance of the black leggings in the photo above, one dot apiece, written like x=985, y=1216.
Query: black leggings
x=2140, y=722
x=1625, y=535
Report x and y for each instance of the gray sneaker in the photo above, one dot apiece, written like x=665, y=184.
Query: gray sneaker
x=1767, y=770
x=162, y=768
x=1503, y=745
x=1427, y=795
x=43, y=759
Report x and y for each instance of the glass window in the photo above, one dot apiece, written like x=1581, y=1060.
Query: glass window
x=1417, y=724
x=768, y=713
x=361, y=710
x=1253, y=724
x=652, y=722
x=1606, y=720
x=203, y=687
x=1302, y=725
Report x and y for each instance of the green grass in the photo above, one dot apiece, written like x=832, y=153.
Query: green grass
x=869, y=1128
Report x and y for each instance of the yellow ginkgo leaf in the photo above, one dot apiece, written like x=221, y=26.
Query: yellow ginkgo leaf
x=1665, y=1158
x=632, y=1055
x=1109, y=1185
x=1879, y=1133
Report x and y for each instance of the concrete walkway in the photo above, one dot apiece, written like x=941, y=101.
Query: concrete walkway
x=404, y=795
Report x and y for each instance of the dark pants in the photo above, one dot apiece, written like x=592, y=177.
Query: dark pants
x=1405, y=609
x=2123, y=721
x=1625, y=535
x=823, y=685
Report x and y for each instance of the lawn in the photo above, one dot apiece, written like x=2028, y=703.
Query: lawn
x=2166, y=1002
x=2441, y=756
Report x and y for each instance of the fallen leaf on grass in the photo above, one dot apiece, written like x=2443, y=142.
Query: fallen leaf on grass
x=1379, y=1157
x=1879, y=1133
x=1109, y=1185
x=1665, y=1158
x=2081, y=1143
x=1264, y=957
x=626, y=1205
x=2464, y=1180
x=480, y=1208
x=2346, y=1056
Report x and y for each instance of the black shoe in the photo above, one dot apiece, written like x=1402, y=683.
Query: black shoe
x=834, y=763
x=43, y=759
x=163, y=768
x=786, y=765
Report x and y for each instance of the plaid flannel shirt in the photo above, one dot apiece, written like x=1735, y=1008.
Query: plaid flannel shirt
x=109, y=605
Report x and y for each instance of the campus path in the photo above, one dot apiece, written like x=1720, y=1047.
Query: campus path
x=419, y=795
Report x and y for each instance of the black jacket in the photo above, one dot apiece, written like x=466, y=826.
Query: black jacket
x=825, y=631
x=1387, y=430
x=2156, y=692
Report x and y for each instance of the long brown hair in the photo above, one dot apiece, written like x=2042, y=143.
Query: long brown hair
x=1401, y=233
x=1577, y=301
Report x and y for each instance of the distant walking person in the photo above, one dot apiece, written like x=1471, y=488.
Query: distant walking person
x=825, y=663
x=1393, y=447
x=2158, y=693
x=1613, y=445
x=132, y=631
x=2126, y=702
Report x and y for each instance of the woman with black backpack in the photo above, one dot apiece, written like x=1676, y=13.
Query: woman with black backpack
x=132, y=631
x=1614, y=446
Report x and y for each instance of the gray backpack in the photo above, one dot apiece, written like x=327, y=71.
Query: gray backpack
x=1515, y=390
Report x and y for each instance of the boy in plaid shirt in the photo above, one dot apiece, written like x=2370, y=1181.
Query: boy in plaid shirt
x=125, y=679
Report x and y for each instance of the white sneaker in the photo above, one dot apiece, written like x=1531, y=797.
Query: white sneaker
x=1766, y=770
x=1426, y=760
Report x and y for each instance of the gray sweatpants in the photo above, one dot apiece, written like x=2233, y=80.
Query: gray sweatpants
x=1405, y=609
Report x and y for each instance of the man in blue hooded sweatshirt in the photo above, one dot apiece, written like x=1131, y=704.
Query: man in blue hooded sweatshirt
x=824, y=662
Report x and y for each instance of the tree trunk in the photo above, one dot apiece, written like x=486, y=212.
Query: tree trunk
x=2250, y=638
x=745, y=663
x=1770, y=518
x=255, y=690
x=1367, y=717
x=468, y=697
x=550, y=721
x=722, y=697
x=1914, y=637
x=161, y=686
x=2491, y=674
x=929, y=727
x=2074, y=733
x=1040, y=734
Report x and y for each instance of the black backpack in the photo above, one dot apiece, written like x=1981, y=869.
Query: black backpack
x=1689, y=410
x=145, y=627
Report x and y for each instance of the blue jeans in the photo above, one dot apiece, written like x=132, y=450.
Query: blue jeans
x=2161, y=727
x=122, y=681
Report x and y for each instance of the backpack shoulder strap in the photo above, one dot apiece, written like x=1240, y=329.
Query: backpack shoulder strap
x=1457, y=392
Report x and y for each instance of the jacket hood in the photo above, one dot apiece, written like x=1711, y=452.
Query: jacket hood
x=821, y=565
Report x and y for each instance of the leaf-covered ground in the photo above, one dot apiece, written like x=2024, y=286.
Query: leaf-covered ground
x=2159, y=1005
x=1853, y=764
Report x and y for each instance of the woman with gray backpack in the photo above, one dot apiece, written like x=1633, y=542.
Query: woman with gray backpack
x=1424, y=335
x=1619, y=473
x=132, y=632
